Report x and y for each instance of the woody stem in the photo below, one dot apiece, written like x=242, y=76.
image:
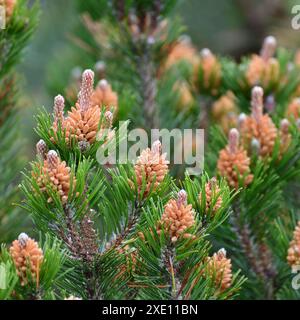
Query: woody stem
x=76, y=245
x=169, y=262
x=146, y=69
x=204, y=116
x=260, y=263
x=132, y=221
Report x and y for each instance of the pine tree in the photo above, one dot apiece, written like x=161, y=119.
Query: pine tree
x=125, y=231
x=206, y=91
x=21, y=21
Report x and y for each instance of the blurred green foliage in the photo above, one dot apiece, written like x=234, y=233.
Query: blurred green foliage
x=231, y=27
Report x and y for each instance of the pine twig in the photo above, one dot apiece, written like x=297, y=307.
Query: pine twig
x=258, y=256
x=83, y=246
x=204, y=119
x=168, y=258
x=146, y=69
x=130, y=226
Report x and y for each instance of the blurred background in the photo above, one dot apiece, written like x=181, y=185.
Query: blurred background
x=231, y=27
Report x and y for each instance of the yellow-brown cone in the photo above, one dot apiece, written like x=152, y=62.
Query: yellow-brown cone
x=183, y=50
x=233, y=162
x=177, y=217
x=185, y=97
x=152, y=167
x=83, y=120
x=104, y=96
x=262, y=72
x=55, y=173
x=263, y=69
x=293, y=257
x=82, y=126
x=27, y=257
x=255, y=70
x=219, y=269
x=211, y=70
x=258, y=126
x=224, y=111
x=213, y=199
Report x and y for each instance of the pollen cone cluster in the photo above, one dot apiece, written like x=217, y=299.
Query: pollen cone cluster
x=27, y=257
x=85, y=119
x=258, y=126
x=233, y=162
x=104, y=96
x=185, y=97
x=218, y=268
x=263, y=69
x=211, y=70
x=213, y=199
x=224, y=111
x=293, y=256
x=293, y=109
x=177, y=217
x=183, y=50
x=151, y=167
x=55, y=173
x=262, y=72
x=82, y=126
